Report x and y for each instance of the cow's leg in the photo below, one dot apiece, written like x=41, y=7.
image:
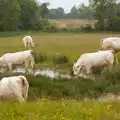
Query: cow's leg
x=25, y=44
x=89, y=72
x=20, y=99
x=10, y=67
x=32, y=63
x=26, y=67
x=110, y=65
x=29, y=46
x=116, y=59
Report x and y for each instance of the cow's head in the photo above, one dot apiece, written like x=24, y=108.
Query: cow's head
x=32, y=44
x=76, y=69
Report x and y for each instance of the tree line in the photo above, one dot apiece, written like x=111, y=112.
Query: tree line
x=81, y=12
x=107, y=12
x=31, y=15
x=21, y=15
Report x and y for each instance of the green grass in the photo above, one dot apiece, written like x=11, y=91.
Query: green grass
x=69, y=44
x=76, y=89
x=61, y=110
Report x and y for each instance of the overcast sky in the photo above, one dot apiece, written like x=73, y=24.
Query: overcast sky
x=66, y=4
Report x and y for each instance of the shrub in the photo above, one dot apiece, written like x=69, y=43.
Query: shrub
x=59, y=59
x=113, y=24
x=45, y=25
x=113, y=89
x=40, y=57
x=112, y=77
x=87, y=27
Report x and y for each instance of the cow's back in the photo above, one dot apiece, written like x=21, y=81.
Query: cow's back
x=10, y=89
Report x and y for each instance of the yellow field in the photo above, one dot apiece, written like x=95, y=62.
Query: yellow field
x=73, y=23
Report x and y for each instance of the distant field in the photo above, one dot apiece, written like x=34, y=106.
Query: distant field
x=73, y=23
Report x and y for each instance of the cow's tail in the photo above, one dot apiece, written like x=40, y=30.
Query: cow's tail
x=32, y=60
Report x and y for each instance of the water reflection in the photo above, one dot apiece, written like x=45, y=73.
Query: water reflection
x=45, y=72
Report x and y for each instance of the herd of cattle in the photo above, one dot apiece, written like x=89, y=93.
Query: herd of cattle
x=16, y=87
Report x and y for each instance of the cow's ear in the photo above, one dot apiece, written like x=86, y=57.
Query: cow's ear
x=22, y=81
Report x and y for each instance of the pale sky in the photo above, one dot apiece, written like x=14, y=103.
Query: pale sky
x=66, y=4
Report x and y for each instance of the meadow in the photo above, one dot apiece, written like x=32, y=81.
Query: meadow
x=62, y=99
x=69, y=44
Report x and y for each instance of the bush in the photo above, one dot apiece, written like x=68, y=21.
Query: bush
x=113, y=24
x=40, y=57
x=59, y=59
x=112, y=77
x=87, y=27
x=113, y=89
x=45, y=25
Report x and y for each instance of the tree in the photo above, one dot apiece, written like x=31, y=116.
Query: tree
x=74, y=12
x=56, y=13
x=60, y=12
x=85, y=12
x=29, y=17
x=9, y=14
x=103, y=10
x=43, y=10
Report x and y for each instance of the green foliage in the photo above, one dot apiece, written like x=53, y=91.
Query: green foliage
x=40, y=57
x=103, y=10
x=86, y=12
x=9, y=15
x=59, y=59
x=80, y=12
x=77, y=89
x=29, y=15
x=45, y=25
x=114, y=24
x=43, y=10
x=56, y=13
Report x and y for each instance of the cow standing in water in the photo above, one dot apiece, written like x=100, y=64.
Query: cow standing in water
x=83, y=67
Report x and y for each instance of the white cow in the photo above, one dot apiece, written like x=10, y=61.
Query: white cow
x=18, y=58
x=14, y=88
x=110, y=43
x=28, y=42
x=83, y=67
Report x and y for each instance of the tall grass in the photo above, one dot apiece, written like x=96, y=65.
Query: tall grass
x=70, y=45
x=77, y=89
x=60, y=110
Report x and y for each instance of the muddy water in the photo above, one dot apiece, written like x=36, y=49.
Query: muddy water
x=45, y=72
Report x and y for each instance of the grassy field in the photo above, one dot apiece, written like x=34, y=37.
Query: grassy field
x=61, y=110
x=69, y=44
